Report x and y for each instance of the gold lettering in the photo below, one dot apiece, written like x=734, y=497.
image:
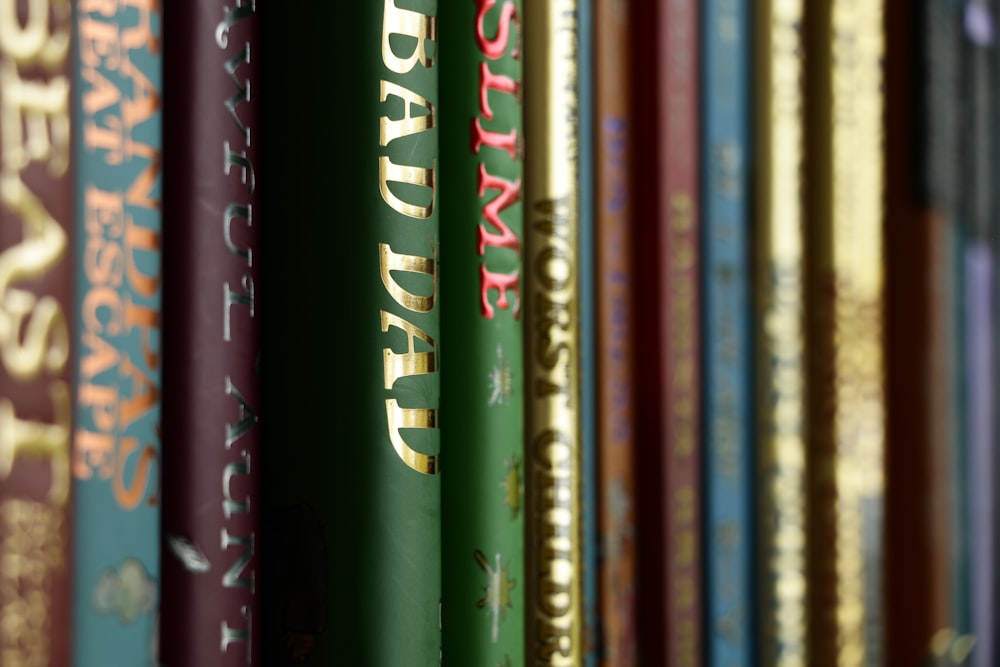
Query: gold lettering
x=399, y=418
x=389, y=129
x=390, y=261
x=406, y=23
x=34, y=40
x=411, y=362
x=22, y=439
x=34, y=125
x=389, y=172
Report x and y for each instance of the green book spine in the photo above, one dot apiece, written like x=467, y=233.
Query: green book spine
x=482, y=381
x=351, y=542
x=116, y=467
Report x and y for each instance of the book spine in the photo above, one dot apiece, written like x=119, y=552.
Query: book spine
x=553, y=530
x=938, y=55
x=981, y=460
x=977, y=200
x=778, y=335
x=210, y=609
x=483, y=385
x=588, y=328
x=727, y=453
x=616, y=441
x=667, y=250
x=917, y=446
x=37, y=350
x=960, y=583
x=116, y=455
x=845, y=282
x=351, y=365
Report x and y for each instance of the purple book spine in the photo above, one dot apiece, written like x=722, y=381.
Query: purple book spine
x=979, y=367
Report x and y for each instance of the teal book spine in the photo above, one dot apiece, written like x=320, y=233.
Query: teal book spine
x=728, y=456
x=116, y=444
x=588, y=334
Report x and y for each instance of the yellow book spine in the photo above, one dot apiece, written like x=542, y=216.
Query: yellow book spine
x=779, y=334
x=847, y=409
x=553, y=532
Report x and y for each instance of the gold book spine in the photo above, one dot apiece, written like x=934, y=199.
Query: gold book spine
x=779, y=334
x=553, y=532
x=845, y=283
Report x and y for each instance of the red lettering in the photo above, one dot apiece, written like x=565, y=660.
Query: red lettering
x=494, y=48
x=502, y=282
x=510, y=193
x=506, y=142
x=489, y=81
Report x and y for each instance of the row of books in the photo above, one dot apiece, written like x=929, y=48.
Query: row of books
x=713, y=381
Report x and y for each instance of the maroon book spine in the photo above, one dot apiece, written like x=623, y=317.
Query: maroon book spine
x=667, y=315
x=36, y=352
x=211, y=437
x=917, y=444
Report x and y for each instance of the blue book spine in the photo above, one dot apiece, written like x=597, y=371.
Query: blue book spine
x=588, y=356
x=116, y=446
x=728, y=460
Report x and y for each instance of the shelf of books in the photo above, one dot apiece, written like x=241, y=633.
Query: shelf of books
x=509, y=333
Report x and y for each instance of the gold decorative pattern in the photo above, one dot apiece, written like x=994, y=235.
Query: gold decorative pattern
x=780, y=335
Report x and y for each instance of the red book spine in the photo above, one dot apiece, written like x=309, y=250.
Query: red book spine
x=36, y=352
x=917, y=450
x=667, y=313
x=210, y=611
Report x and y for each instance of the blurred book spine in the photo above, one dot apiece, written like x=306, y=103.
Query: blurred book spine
x=846, y=410
x=37, y=344
x=728, y=455
x=779, y=336
x=918, y=449
x=116, y=459
x=616, y=434
x=667, y=60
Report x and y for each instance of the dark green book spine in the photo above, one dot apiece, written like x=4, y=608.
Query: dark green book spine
x=482, y=381
x=351, y=543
